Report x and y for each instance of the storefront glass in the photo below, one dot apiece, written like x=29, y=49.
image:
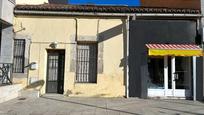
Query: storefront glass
x=156, y=73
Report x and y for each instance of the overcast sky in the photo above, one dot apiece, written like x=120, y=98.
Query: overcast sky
x=108, y=2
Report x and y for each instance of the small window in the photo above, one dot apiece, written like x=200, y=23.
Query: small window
x=86, y=69
x=18, y=59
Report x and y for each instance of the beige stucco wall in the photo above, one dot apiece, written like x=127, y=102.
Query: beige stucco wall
x=44, y=30
x=31, y=1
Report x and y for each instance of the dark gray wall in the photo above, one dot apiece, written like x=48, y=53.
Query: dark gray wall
x=58, y=1
x=153, y=31
x=201, y=30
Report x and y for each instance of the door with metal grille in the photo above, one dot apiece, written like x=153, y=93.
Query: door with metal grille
x=55, y=71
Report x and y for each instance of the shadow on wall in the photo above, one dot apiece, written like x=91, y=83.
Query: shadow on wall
x=36, y=85
x=110, y=33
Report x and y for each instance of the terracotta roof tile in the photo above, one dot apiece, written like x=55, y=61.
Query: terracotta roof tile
x=104, y=9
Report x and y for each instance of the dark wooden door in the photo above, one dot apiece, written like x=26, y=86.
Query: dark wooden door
x=55, y=71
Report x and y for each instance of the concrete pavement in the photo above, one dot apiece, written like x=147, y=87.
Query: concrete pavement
x=61, y=105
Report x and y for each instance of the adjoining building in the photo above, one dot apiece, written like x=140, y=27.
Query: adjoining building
x=164, y=57
x=7, y=90
x=6, y=40
x=188, y=4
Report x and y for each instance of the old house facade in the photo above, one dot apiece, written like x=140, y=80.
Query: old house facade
x=109, y=51
x=102, y=38
x=83, y=56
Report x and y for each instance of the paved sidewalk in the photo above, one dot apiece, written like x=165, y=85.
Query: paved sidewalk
x=60, y=105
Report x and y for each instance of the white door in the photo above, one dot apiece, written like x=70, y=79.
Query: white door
x=170, y=77
x=179, y=77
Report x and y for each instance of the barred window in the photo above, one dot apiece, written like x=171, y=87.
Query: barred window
x=86, y=70
x=18, y=59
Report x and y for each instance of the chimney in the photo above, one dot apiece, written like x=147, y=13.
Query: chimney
x=194, y=4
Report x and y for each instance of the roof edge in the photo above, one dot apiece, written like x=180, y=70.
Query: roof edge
x=102, y=9
x=66, y=13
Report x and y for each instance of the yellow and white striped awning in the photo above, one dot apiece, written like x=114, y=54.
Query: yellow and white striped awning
x=174, y=50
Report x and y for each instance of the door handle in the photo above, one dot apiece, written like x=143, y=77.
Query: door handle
x=176, y=76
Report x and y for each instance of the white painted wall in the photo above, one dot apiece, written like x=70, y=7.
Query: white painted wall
x=31, y=1
x=6, y=10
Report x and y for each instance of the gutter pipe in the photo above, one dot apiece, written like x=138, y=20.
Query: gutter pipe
x=127, y=57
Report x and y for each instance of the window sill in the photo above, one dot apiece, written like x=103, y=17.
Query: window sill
x=86, y=84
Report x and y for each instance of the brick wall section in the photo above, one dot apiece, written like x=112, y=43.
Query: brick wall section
x=194, y=4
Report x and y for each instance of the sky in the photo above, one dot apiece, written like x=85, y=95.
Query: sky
x=107, y=2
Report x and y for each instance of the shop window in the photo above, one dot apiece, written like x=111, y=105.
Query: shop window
x=86, y=66
x=156, y=73
x=18, y=59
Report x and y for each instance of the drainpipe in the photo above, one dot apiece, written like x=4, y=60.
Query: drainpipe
x=194, y=78
x=28, y=69
x=127, y=57
x=76, y=31
x=75, y=43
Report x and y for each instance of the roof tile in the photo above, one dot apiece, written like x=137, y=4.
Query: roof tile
x=104, y=9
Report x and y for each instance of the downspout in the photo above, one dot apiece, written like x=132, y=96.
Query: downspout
x=76, y=31
x=29, y=52
x=75, y=45
x=127, y=56
x=194, y=78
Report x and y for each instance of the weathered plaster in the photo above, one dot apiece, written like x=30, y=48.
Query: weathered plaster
x=45, y=30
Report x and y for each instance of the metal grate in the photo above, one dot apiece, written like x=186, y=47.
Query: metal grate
x=86, y=63
x=55, y=71
x=5, y=73
x=53, y=66
x=18, y=59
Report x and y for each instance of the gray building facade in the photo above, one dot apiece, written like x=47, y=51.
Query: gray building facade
x=146, y=73
x=6, y=19
x=6, y=38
